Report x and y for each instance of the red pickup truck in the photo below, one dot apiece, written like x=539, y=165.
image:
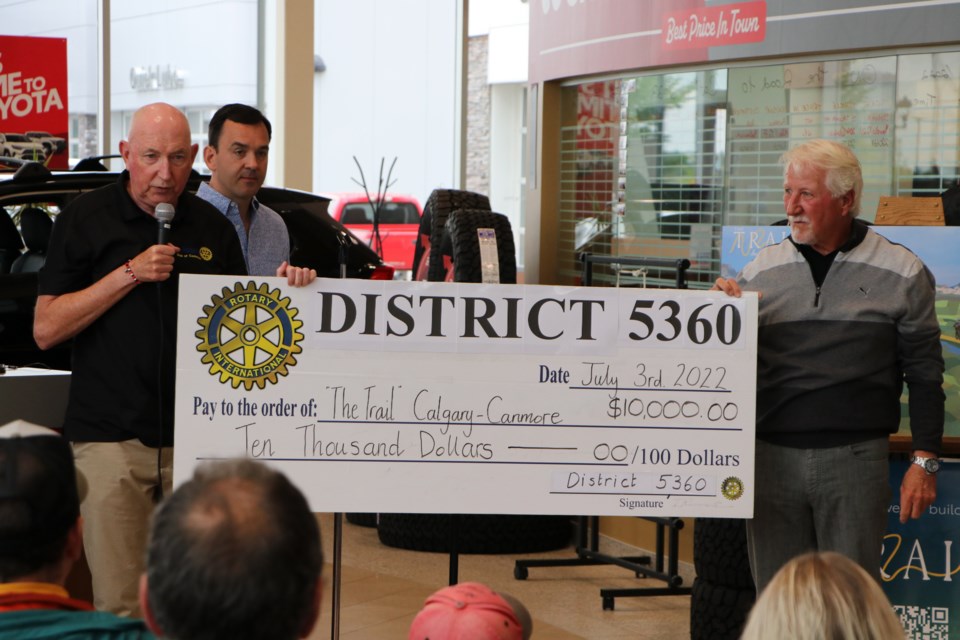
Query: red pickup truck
x=398, y=225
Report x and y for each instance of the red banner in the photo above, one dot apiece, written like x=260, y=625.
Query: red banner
x=598, y=114
x=34, y=121
x=716, y=26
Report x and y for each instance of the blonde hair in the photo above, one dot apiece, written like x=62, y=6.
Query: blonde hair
x=823, y=596
x=843, y=173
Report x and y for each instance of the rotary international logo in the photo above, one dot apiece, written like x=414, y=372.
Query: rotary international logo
x=731, y=488
x=249, y=335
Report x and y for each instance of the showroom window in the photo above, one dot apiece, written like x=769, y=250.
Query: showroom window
x=155, y=54
x=642, y=173
x=654, y=166
x=185, y=67
x=773, y=108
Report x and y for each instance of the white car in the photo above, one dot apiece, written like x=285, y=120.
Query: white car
x=18, y=145
x=51, y=143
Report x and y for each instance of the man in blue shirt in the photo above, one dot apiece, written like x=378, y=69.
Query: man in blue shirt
x=236, y=154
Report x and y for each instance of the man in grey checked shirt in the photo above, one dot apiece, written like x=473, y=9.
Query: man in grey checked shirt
x=236, y=154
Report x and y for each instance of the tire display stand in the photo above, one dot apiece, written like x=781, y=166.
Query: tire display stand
x=588, y=553
x=680, y=265
x=588, y=527
x=456, y=216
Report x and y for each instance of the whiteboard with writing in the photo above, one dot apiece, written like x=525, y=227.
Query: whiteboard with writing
x=468, y=398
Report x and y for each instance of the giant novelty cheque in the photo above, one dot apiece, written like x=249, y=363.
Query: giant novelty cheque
x=468, y=398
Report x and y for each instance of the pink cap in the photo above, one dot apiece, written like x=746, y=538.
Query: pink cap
x=466, y=611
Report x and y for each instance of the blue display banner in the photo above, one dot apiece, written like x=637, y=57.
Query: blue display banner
x=937, y=247
x=919, y=566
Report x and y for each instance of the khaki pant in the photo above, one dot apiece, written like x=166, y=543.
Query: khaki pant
x=121, y=479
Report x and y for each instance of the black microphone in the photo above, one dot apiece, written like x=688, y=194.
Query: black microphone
x=164, y=214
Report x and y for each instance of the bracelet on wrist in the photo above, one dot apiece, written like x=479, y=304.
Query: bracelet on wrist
x=128, y=269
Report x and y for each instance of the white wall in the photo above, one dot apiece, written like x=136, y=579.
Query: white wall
x=486, y=15
x=509, y=52
x=389, y=90
x=505, y=22
x=506, y=157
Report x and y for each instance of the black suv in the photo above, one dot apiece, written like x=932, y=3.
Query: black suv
x=316, y=240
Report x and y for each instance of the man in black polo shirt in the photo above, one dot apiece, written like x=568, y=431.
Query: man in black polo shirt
x=108, y=285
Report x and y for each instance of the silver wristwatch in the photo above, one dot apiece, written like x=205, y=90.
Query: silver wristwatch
x=930, y=465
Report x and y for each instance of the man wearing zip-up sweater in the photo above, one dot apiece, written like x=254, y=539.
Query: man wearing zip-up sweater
x=846, y=317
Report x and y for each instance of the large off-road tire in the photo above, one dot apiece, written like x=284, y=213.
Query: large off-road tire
x=422, y=244
x=462, y=227
x=718, y=612
x=720, y=552
x=477, y=533
x=443, y=202
x=362, y=519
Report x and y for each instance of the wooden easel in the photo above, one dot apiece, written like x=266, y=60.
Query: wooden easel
x=907, y=211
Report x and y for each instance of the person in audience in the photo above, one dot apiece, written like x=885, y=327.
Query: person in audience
x=233, y=553
x=41, y=538
x=471, y=611
x=823, y=596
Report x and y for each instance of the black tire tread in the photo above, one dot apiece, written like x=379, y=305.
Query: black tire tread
x=720, y=552
x=362, y=519
x=462, y=227
x=718, y=612
x=443, y=202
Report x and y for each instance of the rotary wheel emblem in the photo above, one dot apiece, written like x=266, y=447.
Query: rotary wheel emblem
x=249, y=335
x=731, y=488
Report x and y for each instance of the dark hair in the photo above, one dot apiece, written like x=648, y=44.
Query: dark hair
x=234, y=553
x=235, y=112
x=39, y=503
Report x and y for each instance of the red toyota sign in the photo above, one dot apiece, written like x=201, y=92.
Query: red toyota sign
x=34, y=120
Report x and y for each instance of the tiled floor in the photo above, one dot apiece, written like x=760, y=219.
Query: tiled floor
x=383, y=588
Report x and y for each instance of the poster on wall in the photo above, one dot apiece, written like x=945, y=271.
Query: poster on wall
x=917, y=564
x=34, y=121
x=937, y=247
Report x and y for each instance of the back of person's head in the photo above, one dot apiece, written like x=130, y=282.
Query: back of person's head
x=39, y=499
x=843, y=173
x=235, y=112
x=233, y=553
x=823, y=596
x=470, y=611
